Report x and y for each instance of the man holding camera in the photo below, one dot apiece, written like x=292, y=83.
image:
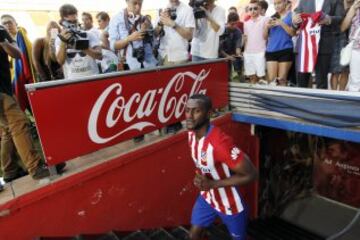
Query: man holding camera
x=132, y=33
x=13, y=121
x=210, y=25
x=175, y=27
x=76, y=50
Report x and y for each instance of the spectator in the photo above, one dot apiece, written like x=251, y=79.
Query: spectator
x=22, y=70
x=110, y=60
x=88, y=24
x=280, y=49
x=13, y=122
x=128, y=33
x=205, y=44
x=352, y=21
x=334, y=13
x=339, y=73
x=263, y=7
x=175, y=27
x=230, y=43
x=239, y=24
x=103, y=20
x=176, y=33
x=44, y=56
x=255, y=44
x=77, y=61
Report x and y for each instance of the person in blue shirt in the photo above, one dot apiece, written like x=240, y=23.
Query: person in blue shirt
x=129, y=33
x=280, y=49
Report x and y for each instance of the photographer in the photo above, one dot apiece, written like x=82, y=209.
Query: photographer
x=132, y=33
x=76, y=50
x=210, y=25
x=14, y=123
x=175, y=27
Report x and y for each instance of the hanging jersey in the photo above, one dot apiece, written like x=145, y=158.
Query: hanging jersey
x=214, y=155
x=308, y=42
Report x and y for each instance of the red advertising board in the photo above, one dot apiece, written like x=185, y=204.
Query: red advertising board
x=80, y=117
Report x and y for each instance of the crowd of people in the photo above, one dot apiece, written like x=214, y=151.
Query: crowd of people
x=288, y=48
x=262, y=49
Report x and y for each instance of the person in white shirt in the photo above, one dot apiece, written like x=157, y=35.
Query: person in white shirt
x=76, y=57
x=175, y=27
x=205, y=44
x=88, y=24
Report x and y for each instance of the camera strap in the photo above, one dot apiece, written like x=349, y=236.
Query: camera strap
x=131, y=28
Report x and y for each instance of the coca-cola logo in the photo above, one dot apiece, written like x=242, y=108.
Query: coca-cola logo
x=137, y=109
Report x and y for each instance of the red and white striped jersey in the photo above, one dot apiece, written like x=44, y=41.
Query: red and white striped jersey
x=214, y=155
x=308, y=42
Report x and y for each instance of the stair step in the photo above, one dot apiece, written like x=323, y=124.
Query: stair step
x=180, y=233
x=218, y=232
x=139, y=235
x=161, y=234
x=277, y=229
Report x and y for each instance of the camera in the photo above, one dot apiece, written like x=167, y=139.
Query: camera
x=76, y=41
x=196, y=5
x=4, y=34
x=172, y=13
x=148, y=36
x=139, y=54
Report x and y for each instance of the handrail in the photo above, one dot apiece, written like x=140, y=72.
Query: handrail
x=35, y=86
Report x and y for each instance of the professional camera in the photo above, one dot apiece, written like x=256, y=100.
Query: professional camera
x=4, y=34
x=139, y=54
x=148, y=36
x=77, y=40
x=196, y=5
x=172, y=13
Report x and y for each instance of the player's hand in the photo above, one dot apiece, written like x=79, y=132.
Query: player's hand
x=203, y=183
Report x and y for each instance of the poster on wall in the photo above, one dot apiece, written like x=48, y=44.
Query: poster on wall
x=337, y=171
x=298, y=165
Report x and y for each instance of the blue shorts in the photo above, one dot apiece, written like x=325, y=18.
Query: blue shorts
x=203, y=215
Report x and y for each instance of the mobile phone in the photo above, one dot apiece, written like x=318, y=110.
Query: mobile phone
x=54, y=33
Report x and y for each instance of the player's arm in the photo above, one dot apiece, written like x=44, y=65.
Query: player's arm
x=244, y=173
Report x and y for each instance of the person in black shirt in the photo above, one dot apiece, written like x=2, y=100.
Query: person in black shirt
x=230, y=43
x=13, y=121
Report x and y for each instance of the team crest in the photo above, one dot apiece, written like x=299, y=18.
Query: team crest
x=235, y=153
x=203, y=158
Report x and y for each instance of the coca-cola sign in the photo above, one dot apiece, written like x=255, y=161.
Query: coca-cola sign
x=83, y=117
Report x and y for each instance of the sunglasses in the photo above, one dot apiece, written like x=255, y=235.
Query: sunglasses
x=253, y=9
x=73, y=54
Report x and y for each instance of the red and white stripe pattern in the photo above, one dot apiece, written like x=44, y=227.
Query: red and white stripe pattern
x=308, y=42
x=205, y=154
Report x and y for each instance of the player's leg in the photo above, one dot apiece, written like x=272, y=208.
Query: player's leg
x=203, y=215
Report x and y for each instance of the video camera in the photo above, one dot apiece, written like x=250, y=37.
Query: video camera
x=4, y=34
x=76, y=41
x=196, y=5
